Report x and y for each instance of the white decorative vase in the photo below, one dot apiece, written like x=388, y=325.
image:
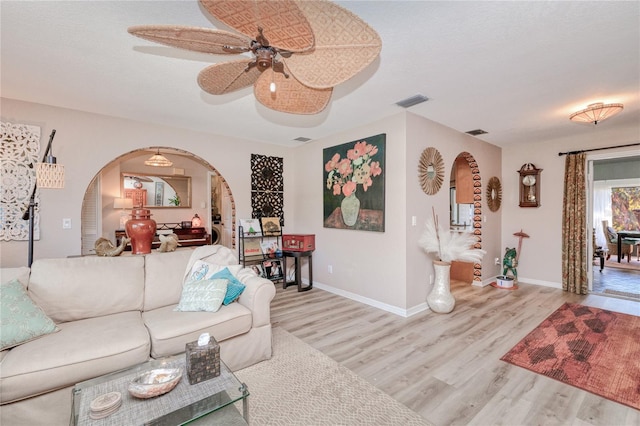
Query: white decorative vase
x=440, y=299
x=350, y=208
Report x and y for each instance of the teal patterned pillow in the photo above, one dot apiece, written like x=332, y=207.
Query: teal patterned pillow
x=203, y=295
x=234, y=287
x=21, y=320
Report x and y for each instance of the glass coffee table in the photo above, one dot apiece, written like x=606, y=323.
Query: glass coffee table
x=182, y=405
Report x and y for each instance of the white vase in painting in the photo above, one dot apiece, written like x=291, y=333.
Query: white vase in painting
x=440, y=299
x=350, y=208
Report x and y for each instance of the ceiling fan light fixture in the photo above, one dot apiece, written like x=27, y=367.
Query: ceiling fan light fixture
x=158, y=160
x=596, y=112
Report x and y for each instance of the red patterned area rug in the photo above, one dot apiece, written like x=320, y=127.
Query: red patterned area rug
x=593, y=349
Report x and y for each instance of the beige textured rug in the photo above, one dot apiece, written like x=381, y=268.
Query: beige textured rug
x=300, y=385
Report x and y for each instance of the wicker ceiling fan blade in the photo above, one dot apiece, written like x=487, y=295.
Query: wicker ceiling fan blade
x=290, y=95
x=227, y=77
x=192, y=38
x=345, y=45
x=283, y=24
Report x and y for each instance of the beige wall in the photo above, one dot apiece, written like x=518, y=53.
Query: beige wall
x=85, y=143
x=541, y=255
x=384, y=269
x=389, y=269
x=421, y=134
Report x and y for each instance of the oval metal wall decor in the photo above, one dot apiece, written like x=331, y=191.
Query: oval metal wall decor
x=494, y=194
x=431, y=171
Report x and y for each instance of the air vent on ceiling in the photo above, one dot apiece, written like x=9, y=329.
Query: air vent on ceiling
x=476, y=132
x=302, y=139
x=413, y=100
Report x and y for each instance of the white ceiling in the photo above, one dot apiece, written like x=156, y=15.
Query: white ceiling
x=514, y=69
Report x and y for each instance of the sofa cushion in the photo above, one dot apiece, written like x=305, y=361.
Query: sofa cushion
x=202, y=295
x=20, y=273
x=170, y=331
x=21, y=320
x=164, y=273
x=70, y=289
x=81, y=350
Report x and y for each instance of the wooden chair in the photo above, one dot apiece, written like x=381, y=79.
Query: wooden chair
x=612, y=242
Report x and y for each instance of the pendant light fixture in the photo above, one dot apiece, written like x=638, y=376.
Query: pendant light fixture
x=596, y=112
x=158, y=160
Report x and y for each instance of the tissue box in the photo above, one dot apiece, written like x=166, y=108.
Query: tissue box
x=203, y=362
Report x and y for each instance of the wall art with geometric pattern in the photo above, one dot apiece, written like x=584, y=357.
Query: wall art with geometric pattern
x=18, y=156
x=267, y=187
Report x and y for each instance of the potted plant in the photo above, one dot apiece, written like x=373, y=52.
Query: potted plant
x=448, y=246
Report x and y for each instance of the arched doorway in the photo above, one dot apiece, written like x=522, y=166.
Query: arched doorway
x=466, y=211
x=100, y=219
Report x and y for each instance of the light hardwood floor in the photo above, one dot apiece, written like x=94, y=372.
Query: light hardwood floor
x=447, y=366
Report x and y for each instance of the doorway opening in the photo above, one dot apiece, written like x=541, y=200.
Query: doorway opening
x=613, y=206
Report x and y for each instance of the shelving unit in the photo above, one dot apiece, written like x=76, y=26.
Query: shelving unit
x=251, y=254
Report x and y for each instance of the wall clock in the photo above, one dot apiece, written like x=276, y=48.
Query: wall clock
x=494, y=194
x=529, y=183
x=431, y=170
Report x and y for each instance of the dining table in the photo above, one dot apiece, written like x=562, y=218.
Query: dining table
x=627, y=235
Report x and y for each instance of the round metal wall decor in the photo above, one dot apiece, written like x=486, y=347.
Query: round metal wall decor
x=431, y=171
x=494, y=194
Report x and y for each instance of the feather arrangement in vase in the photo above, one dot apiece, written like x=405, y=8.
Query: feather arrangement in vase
x=449, y=245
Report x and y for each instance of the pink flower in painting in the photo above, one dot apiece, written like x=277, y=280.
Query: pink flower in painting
x=344, y=174
x=359, y=149
x=375, y=168
x=349, y=188
x=333, y=163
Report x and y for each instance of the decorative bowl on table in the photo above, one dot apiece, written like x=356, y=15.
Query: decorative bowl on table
x=155, y=382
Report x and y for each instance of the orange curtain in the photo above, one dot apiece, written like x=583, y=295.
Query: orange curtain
x=574, y=232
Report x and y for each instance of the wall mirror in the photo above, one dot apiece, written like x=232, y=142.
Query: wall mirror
x=431, y=170
x=156, y=191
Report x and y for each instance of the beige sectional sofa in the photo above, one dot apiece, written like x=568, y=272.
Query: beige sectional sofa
x=114, y=312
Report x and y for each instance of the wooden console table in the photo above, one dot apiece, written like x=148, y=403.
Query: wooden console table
x=298, y=255
x=186, y=236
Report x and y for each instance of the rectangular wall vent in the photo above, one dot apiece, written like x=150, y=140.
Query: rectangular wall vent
x=476, y=132
x=413, y=100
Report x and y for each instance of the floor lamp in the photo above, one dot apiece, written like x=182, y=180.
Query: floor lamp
x=48, y=175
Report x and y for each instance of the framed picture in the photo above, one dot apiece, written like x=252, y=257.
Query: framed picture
x=273, y=269
x=271, y=226
x=270, y=248
x=354, y=184
x=251, y=227
x=258, y=269
x=252, y=247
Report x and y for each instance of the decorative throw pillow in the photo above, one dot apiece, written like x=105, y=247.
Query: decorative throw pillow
x=203, y=295
x=202, y=270
x=21, y=320
x=613, y=235
x=234, y=287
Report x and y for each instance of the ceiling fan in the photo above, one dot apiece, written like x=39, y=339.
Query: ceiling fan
x=300, y=49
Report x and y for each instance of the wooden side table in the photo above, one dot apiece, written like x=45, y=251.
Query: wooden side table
x=298, y=255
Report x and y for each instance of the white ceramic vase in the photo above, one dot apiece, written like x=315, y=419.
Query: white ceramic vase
x=440, y=299
x=350, y=208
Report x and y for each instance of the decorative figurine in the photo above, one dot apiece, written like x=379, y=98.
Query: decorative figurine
x=511, y=257
x=104, y=247
x=168, y=243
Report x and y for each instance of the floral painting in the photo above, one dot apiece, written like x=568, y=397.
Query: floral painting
x=354, y=175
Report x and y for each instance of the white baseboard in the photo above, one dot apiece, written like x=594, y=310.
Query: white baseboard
x=405, y=313
x=371, y=302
